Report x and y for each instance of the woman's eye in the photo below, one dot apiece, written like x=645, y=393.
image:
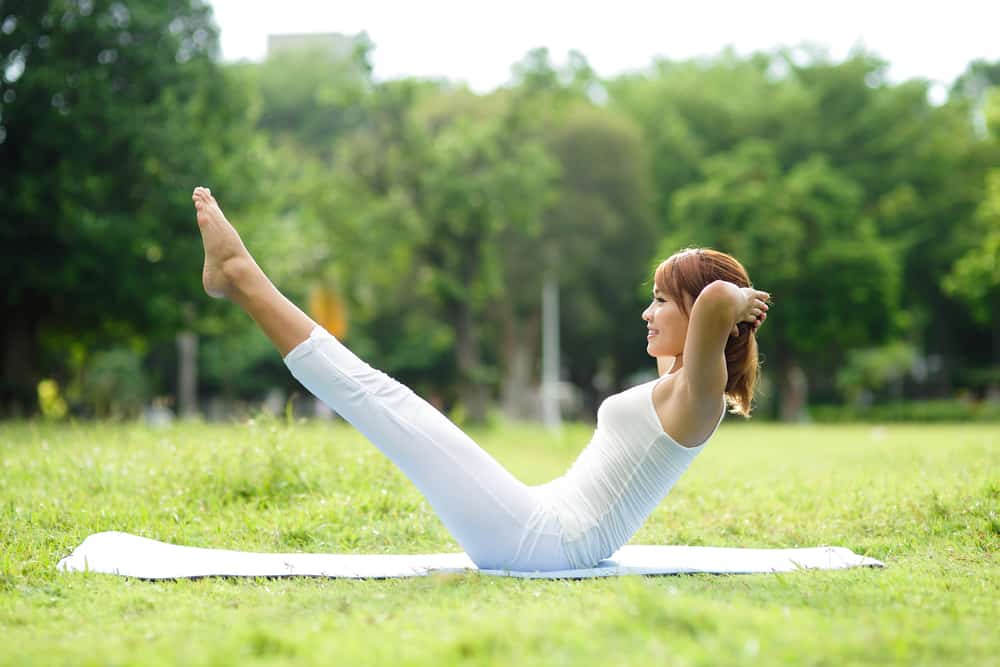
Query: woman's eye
x=659, y=299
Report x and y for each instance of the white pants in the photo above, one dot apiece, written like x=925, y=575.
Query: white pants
x=500, y=522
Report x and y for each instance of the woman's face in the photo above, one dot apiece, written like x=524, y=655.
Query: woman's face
x=666, y=326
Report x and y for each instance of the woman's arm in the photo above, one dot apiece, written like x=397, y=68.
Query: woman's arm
x=717, y=311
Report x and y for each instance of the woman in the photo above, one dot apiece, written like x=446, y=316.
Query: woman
x=700, y=327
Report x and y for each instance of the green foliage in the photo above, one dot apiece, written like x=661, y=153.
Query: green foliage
x=437, y=213
x=111, y=113
x=846, y=197
x=977, y=80
x=975, y=276
x=308, y=97
x=802, y=237
x=959, y=411
x=114, y=384
x=873, y=369
x=422, y=198
x=598, y=237
x=477, y=183
x=536, y=78
x=240, y=362
x=50, y=402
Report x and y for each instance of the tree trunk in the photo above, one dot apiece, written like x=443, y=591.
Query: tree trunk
x=993, y=388
x=470, y=385
x=19, y=372
x=520, y=352
x=550, y=354
x=794, y=393
x=470, y=373
x=187, y=373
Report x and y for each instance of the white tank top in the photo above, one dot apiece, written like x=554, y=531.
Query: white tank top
x=620, y=477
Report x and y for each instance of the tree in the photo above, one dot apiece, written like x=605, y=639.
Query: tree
x=423, y=193
x=310, y=97
x=809, y=141
x=975, y=276
x=593, y=237
x=802, y=235
x=601, y=229
x=976, y=82
x=110, y=114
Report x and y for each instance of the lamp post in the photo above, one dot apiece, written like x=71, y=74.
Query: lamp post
x=550, y=352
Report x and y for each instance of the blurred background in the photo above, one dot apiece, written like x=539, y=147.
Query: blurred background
x=441, y=187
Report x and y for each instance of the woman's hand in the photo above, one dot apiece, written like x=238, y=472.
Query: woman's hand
x=753, y=310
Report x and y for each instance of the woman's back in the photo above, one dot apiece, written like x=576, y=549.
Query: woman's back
x=624, y=472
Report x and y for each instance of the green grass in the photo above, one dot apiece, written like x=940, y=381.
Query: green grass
x=924, y=499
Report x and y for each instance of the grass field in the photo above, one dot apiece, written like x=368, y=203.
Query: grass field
x=924, y=499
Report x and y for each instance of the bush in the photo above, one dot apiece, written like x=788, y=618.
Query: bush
x=871, y=370
x=909, y=411
x=114, y=384
x=50, y=401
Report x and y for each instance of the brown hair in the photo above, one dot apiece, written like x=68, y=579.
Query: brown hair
x=689, y=272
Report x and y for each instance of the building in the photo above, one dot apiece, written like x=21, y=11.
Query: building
x=338, y=45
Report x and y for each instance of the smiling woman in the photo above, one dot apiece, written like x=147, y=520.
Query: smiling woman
x=678, y=283
x=636, y=455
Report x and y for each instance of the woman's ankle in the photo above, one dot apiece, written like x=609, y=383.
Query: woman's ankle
x=242, y=273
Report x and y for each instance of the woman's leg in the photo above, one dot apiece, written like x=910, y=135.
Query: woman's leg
x=230, y=272
x=498, y=520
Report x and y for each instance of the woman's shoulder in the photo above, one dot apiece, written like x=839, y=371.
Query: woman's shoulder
x=685, y=415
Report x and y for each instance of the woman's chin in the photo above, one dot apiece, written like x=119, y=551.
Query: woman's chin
x=657, y=351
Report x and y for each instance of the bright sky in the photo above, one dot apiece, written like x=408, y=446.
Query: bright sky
x=477, y=42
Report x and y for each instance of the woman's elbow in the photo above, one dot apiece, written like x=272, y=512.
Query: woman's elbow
x=718, y=301
x=719, y=292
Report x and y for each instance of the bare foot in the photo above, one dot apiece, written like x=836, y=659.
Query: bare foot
x=225, y=255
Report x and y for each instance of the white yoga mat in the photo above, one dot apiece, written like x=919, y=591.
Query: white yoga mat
x=143, y=558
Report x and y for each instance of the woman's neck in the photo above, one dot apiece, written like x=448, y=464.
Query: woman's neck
x=677, y=365
x=670, y=365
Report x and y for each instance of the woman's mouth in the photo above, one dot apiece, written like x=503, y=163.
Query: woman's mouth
x=651, y=333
